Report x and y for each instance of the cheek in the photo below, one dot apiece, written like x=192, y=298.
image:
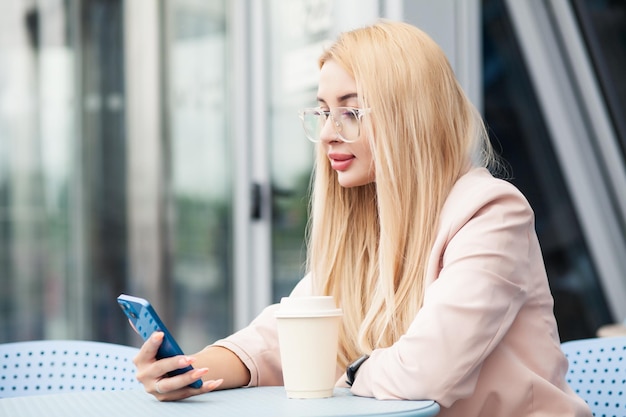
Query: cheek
x=365, y=153
x=367, y=160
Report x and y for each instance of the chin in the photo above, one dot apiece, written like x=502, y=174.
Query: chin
x=347, y=181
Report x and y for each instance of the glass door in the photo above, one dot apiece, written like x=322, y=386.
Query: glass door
x=199, y=185
x=62, y=176
x=518, y=127
x=298, y=30
x=297, y=33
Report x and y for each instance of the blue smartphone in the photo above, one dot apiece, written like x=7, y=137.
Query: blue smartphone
x=146, y=321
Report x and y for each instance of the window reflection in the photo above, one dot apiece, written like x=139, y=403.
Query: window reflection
x=101, y=149
x=517, y=126
x=62, y=181
x=297, y=32
x=198, y=149
x=603, y=25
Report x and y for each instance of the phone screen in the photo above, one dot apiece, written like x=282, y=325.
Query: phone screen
x=145, y=321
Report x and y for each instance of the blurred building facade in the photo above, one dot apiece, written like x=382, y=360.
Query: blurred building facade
x=153, y=147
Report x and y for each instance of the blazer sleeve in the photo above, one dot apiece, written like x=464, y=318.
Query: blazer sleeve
x=482, y=251
x=257, y=344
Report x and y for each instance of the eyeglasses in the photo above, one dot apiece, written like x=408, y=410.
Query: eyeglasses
x=346, y=122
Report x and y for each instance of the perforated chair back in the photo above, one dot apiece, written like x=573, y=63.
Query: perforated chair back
x=51, y=366
x=597, y=373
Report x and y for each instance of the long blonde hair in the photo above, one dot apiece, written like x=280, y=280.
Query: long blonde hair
x=368, y=246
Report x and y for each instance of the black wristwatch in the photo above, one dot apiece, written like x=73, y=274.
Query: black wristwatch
x=353, y=367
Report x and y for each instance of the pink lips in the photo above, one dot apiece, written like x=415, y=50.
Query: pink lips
x=340, y=162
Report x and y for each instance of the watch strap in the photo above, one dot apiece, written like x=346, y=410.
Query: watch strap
x=353, y=368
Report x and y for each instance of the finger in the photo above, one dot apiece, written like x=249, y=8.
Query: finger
x=170, y=389
x=148, y=351
x=149, y=373
x=187, y=392
x=166, y=365
x=174, y=383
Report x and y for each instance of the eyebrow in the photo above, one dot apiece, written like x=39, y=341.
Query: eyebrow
x=341, y=98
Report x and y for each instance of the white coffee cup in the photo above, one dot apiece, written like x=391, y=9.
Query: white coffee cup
x=308, y=335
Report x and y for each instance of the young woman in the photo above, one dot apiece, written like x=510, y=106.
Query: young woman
x=435, y=262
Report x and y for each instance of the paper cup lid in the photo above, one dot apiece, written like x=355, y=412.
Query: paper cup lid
x=315, y=306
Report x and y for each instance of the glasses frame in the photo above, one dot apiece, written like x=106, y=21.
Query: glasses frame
x=337, y=124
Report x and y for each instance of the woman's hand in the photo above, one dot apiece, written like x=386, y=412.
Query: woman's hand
x=152, y=373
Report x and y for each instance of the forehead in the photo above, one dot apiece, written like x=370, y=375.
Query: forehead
x=335, y=82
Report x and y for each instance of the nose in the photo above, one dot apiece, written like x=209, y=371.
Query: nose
x=328, y=134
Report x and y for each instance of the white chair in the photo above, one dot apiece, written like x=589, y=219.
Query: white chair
x=52, y=366
x=597, y=373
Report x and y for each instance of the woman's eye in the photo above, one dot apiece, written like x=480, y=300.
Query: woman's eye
x=348, y=115
x=324, y=113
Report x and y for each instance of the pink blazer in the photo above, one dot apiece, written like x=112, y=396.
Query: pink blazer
x=485, y=342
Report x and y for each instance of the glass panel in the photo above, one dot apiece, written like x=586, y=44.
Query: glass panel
x=102, y=153
x=518, y=128
x=297, y=31
x=22, y=180
x=603, y=24
x=62, y=193
x=200, y=178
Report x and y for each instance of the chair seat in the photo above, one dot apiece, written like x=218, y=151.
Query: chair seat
x=597, y=373
x=51, y=366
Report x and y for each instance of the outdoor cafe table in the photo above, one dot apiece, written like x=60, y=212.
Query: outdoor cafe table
x=253, y=402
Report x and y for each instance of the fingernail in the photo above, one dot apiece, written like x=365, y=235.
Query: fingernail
x=199, y=372
x=156, y=337
x=214, y=384
x=186, y=360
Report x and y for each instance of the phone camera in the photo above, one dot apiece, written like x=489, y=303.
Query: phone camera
x=127, y=307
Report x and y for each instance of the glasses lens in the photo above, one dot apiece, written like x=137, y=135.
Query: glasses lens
x=347, y=123
x=313, y=122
